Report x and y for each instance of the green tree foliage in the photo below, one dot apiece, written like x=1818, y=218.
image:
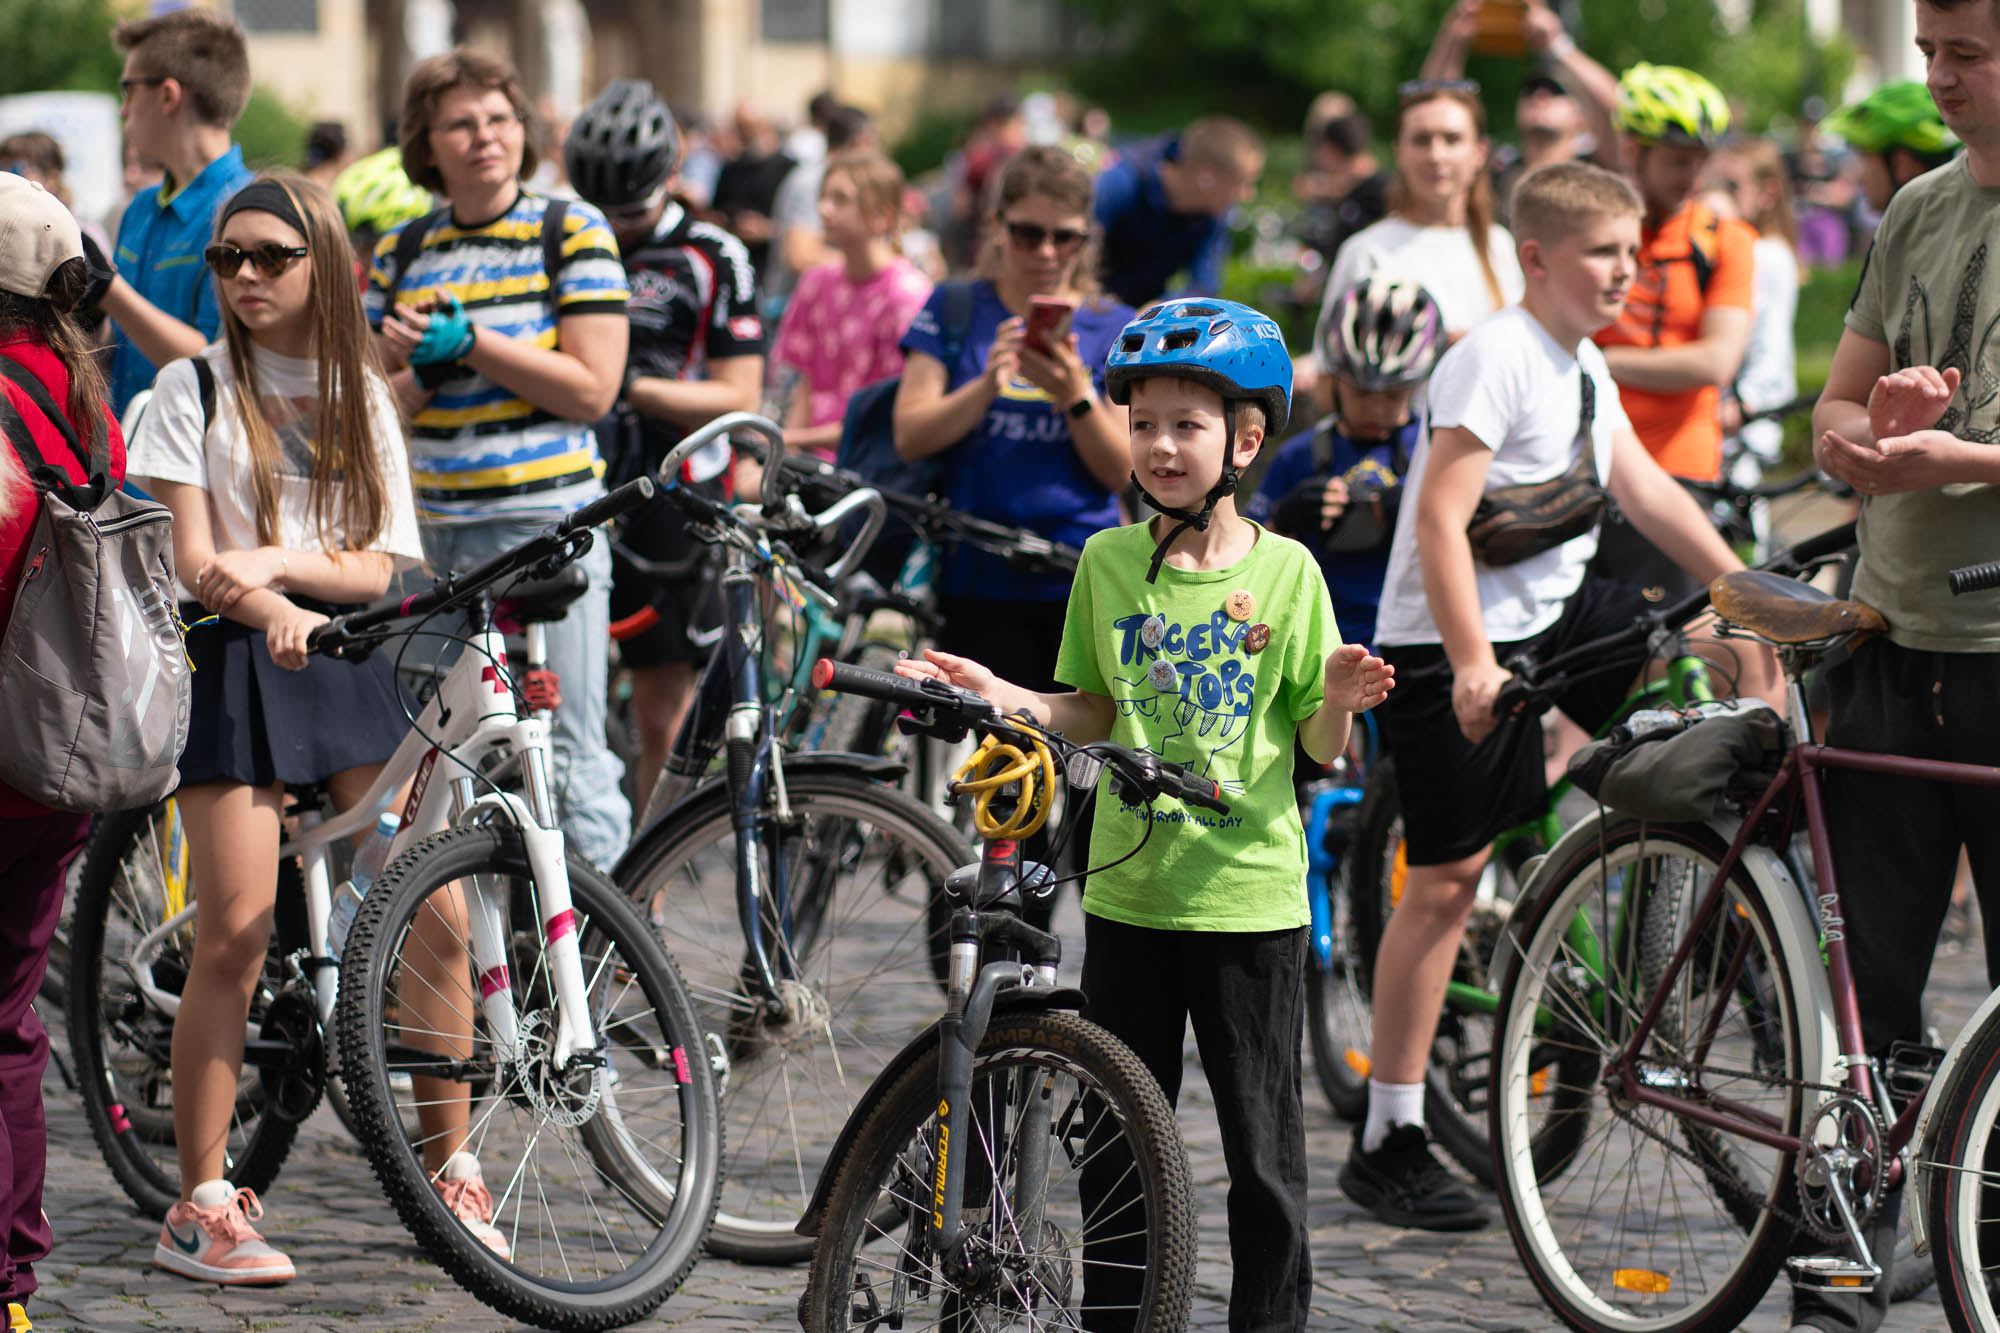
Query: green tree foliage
x=1170, y=60
x=270, y=134
x=58, y=44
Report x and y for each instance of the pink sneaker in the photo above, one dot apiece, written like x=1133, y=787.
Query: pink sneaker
x=464, y=1192
x=210, y=1239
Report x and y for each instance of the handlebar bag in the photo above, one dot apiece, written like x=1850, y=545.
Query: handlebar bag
x=1515, y=522
x=1687, y=765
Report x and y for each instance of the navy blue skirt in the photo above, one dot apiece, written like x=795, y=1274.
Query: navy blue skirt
x=255, y=722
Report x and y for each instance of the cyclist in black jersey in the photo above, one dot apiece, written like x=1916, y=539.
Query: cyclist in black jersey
x=696, y=353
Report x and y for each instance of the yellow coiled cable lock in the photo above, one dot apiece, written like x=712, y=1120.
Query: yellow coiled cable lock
x=995, y=765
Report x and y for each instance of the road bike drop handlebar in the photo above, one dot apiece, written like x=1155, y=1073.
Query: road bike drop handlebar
x=944, y=710
x=1533, y=687
x=558, y=544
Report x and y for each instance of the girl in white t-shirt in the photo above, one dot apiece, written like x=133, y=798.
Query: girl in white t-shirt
x=1440, y=230
x=291, y=502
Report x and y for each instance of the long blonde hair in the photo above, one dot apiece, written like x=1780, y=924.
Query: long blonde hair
x=347, y=499
x=51, y=320
x=1478, y=201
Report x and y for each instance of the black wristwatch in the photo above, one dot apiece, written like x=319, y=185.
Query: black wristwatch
x=1082, y=408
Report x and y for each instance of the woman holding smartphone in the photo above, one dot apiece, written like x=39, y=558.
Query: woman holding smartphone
x=1019, y=412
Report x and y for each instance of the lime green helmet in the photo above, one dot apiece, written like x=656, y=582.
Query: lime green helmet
x=1896, y=115
x=1670, y=105
x=375, y=194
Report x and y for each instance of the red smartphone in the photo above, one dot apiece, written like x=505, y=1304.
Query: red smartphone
x=1048, y=322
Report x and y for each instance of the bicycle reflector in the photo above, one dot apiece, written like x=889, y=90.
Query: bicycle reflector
x=1641, y=1280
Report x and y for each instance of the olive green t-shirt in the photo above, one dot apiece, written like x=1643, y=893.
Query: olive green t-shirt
x=1187, y=686
x=1930, y=291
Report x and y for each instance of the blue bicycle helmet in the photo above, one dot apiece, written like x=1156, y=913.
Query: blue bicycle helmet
x=1233, y=349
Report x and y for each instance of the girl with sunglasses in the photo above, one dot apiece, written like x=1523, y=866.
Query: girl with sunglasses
x=1027, y=435
x=291, y=502
x=1440, y=230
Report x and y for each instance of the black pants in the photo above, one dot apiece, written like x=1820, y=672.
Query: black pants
x=1245, y=995
x=1895, y=851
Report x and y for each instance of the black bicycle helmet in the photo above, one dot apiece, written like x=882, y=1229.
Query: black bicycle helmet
x=623, y=146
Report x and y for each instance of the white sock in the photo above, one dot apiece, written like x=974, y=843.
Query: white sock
x=1389, y=1105
x=210, y=1193
x=460, y=1165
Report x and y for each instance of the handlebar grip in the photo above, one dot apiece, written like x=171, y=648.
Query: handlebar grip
x=1975, y=578
x=629, y=496
x=828, y=674
x=1203, y=792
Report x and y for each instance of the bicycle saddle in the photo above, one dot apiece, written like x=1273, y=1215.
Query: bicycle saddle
x=541, y=601
x=1786, y=611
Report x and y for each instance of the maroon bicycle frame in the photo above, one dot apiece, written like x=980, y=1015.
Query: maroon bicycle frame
x=1798, y=781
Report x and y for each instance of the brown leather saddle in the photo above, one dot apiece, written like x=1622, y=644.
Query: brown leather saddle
x=1788, y=612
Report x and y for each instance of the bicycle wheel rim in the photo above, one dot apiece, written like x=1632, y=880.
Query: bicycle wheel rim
x=602, y=1178
x=1638, y=1233
x=788, y=1087
x=1965, y=1213
x=1116, y=1196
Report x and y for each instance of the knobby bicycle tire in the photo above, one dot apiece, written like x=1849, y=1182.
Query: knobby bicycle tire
x=864, y=863
x=1637, y=1232
x=120, y=1044
x=1089, y=1084
x=603, y=1176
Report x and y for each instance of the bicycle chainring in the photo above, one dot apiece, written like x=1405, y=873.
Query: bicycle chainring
x=1843, y=1141
x=294, y=1079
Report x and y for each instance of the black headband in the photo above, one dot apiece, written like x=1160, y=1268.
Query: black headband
x=266, y=196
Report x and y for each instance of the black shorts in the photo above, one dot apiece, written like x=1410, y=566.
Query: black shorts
x=658, y=531
x=1456, y=795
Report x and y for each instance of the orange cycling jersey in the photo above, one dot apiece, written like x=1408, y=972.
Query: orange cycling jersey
x=1691, y=262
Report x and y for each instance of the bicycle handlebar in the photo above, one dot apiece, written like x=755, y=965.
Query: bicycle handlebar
x=1533, y=685
x=341, y=634
x=1975, y=578
x=951, y=706
x=770, y=494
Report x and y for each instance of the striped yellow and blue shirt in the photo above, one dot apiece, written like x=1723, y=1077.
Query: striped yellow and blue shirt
x=478, y=451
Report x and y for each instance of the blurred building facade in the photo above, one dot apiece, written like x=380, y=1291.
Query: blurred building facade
x=345, y=59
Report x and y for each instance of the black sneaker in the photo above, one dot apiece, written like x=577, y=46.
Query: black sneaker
x=1404, y=1186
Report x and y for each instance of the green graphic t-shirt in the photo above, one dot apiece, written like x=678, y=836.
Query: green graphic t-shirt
x=1213, y=669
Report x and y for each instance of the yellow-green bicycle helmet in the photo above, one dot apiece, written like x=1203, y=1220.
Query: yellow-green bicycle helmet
x=1666, y=104
x=375, y=194
x=1896, y=115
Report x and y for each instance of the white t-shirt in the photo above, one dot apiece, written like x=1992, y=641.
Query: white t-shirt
x=1769, y=377
x=1520, y=393
x=1441, y=258
x=169, y=446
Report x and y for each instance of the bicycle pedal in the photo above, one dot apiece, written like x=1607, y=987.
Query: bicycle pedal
x=1908, y=1070
x=1832, y=1272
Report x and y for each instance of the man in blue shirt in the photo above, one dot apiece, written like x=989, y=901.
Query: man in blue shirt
x=1164, y=209
x=186, y=80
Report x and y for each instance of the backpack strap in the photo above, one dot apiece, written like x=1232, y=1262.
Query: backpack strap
x=96, y=458
x=552, y=243
x=955, y=319
x=1586, y=463
x=204, y=379
x=410, y=243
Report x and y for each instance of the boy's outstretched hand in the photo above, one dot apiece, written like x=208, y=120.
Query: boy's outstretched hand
x=1356, y=679
x=952, y=670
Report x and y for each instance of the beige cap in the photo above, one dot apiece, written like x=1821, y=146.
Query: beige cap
x=37, y=232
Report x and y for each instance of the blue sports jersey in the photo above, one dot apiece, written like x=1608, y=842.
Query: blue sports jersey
x=1019, y=465
x=1353, y=578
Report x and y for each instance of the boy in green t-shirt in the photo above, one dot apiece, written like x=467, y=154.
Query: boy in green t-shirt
x=1205, y=639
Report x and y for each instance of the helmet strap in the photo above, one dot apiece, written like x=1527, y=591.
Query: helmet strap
x=1188, y=518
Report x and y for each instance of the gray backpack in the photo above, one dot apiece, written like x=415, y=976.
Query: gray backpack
x=91, y=664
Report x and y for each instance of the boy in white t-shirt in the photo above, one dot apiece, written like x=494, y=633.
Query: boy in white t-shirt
x=1506, y=405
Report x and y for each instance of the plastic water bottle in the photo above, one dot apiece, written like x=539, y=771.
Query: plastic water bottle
x=368, y=863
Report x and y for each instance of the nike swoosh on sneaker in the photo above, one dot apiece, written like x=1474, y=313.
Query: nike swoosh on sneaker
x=192, y=1245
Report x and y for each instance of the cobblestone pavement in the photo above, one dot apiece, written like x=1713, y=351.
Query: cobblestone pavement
x=361, y=1273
